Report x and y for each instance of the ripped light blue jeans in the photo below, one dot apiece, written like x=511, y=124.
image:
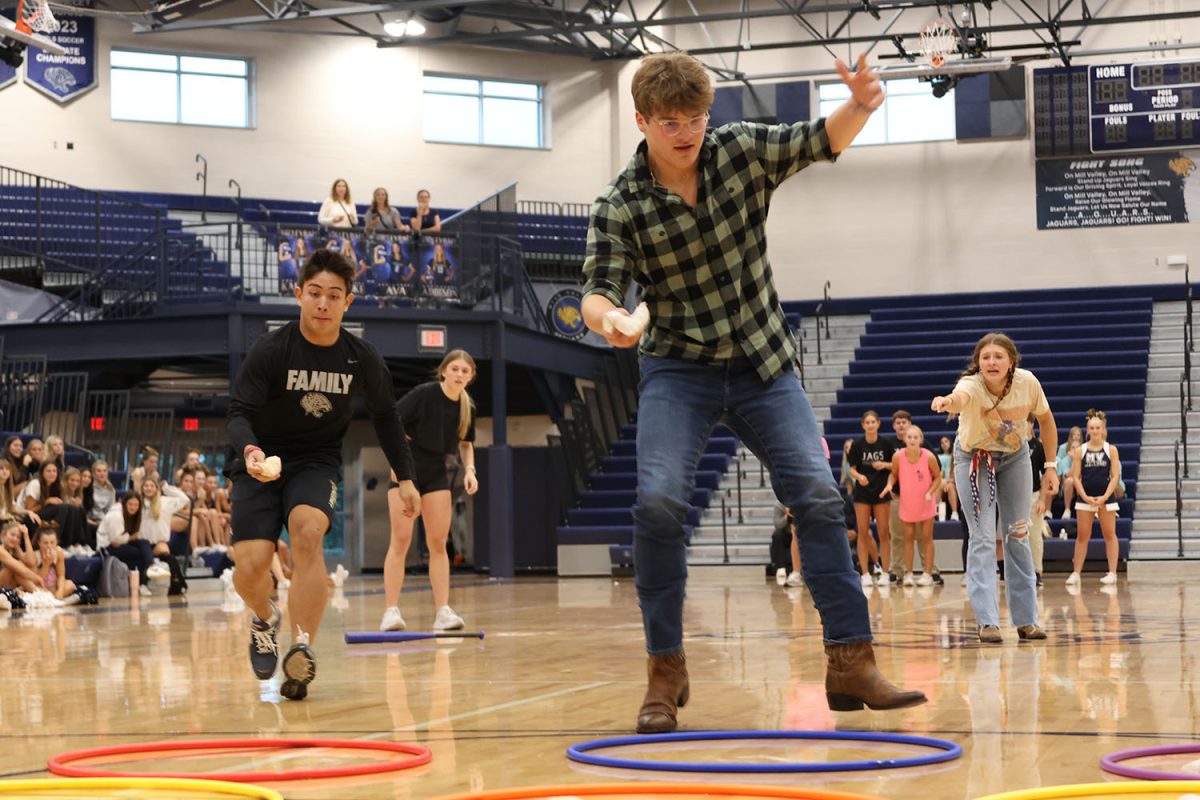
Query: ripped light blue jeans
x=1003, y=499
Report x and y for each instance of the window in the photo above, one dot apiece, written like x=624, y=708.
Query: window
x=477, y=111
x=910, y=113
x=183, y=90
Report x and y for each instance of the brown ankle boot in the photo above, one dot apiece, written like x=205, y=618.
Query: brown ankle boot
x=667, y=689
x=852, y=679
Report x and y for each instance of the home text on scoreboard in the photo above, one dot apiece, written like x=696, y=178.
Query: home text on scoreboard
x=1144, y=106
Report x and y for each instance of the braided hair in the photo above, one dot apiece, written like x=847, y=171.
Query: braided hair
x=1002, y=341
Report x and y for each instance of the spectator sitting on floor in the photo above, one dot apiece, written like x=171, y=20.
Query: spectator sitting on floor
x=17, y=564
x=120, y=537
x=159, y=508
x=101, y=495
x=72, y=488
x=52, y=566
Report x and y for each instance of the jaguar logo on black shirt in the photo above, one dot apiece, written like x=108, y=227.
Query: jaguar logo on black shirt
x=316, y=404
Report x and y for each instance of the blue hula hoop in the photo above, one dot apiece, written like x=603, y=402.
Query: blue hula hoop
x=949, y=751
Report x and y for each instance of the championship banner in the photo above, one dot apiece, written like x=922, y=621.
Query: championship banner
x=8, y=75
x=1149, y=189
x=389, y=265
x=68, y=76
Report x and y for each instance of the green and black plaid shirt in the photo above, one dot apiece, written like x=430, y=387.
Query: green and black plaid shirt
x=704, y=271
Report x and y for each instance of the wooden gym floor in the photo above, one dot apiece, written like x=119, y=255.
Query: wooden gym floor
x=563, y=662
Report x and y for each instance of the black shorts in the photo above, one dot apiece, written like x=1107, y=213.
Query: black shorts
x=432, y=475
x=260, y=510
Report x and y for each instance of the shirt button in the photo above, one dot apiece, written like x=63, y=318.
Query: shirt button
x=714, y=250
x=723, y=279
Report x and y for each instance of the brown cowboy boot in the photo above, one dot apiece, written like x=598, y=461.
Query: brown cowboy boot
x=852, y=679
x=668, y=688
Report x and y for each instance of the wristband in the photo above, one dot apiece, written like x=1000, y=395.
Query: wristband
x=1049, y=465
x=249, y=449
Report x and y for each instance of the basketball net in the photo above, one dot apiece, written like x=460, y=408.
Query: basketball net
x=938, y=40
x=33, y=16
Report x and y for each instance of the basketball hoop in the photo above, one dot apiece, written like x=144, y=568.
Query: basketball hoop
x=938, y=40
x=33, y=20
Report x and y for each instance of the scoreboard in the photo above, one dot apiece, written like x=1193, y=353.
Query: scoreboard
x=1113, y=108
x=1148, y=106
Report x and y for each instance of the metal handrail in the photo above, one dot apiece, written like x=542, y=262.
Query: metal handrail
x=1178, y=502
x=825, y=305
x=1183, y=427
x=820, y=307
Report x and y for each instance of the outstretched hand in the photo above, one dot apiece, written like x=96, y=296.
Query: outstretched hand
x=864, y=84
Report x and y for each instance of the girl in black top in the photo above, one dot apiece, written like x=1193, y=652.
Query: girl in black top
x=440, y=420
x=1096, y=470
x=870, y=460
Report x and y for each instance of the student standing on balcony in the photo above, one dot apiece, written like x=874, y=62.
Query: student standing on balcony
x=686, y=221
x=338, y=211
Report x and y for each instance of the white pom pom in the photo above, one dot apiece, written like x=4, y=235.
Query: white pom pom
x=271, y=467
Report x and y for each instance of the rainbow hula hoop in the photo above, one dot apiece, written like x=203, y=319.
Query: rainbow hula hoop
x=580, y=752
x=61, y=764
x=625, y=789
x=1112, y=763
x=164, y=784
x=1083, y=790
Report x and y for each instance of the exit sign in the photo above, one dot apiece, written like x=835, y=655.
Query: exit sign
x=431, y=338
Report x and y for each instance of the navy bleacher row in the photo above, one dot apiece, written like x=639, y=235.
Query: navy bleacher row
x=75, y=233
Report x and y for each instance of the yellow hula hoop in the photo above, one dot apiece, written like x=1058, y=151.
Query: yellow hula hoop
x=166, y=784
x=1081, y=790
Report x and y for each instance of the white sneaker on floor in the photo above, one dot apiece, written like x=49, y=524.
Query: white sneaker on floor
x=157, y=570
x=5, y=603
x=954, y=515
x=781, y=576
x=867, y=580
x=795, y=579
x=392, y=621
x=909, y=580
x=881, y=579
x=1073, y=580
x=447, y=620
x=1066, y=513
x=144, y=590
x=1109, y=578
x=925, y=580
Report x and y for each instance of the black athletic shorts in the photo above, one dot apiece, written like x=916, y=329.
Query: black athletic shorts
x=260, y=510
x=432, y=475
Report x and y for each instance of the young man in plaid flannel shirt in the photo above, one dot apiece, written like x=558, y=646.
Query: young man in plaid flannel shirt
x=686, y=221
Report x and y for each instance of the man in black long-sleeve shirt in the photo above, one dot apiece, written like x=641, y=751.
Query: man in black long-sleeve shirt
x=292, y=399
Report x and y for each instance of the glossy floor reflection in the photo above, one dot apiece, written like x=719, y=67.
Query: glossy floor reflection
x=563, y=662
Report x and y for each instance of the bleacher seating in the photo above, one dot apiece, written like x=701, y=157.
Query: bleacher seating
x=1095, y=357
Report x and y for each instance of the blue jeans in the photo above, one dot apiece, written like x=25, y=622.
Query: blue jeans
x=680, y=403
x=1010, y=507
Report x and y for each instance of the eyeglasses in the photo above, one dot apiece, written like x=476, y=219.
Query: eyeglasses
x=674, y=127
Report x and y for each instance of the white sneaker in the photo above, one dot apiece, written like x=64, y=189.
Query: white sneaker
x=5, y=603
x=909, y=580
x=867, y=580
x=881, y=579
x=144, y=590
x=795, y=579
x=1073, y=580
x=157, y=571
x=925, y=580
x=392, y=621
x=1063, y=534
x=1109, y=578
x=954, y=515
x=447, y=620
x=781, y=576
x=1066, y=513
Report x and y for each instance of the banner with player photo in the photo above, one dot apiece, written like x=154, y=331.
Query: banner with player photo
x=389, y=265
x=65, y=77
x=1103, y=192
